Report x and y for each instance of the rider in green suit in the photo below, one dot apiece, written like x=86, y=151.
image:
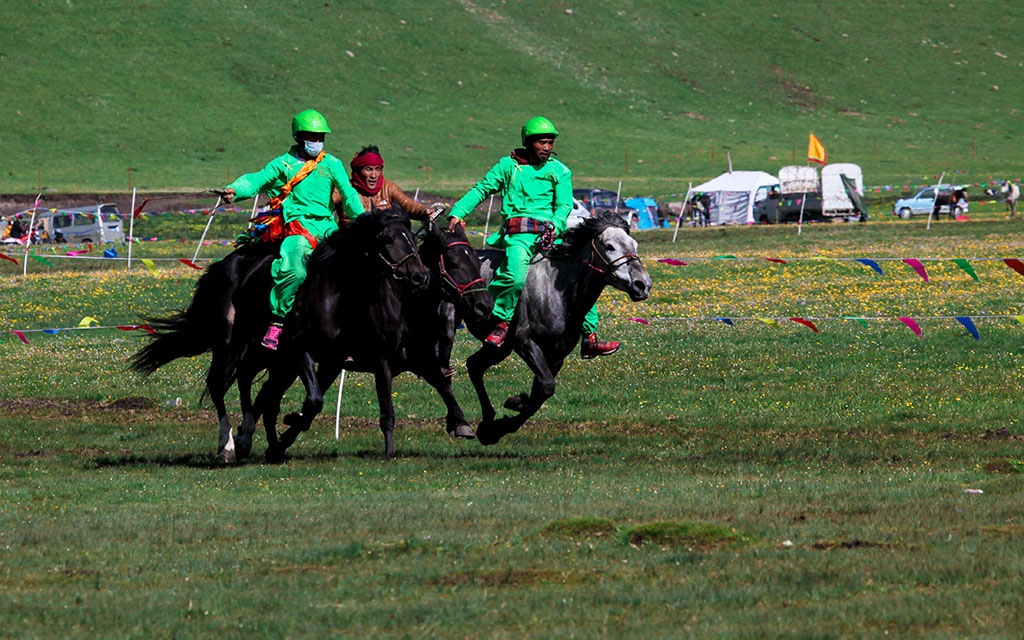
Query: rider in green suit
x=536, y=198
x=304, y=176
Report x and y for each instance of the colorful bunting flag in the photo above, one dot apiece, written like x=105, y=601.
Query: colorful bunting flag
x=860, y=320
x=40, y=259
x=8, y=258
x=776, y=260
x=816, y=150
x=871, y=263
x=137, y=327
x=806, y=323
x=88, y=321
x=1015, y=264
x=910, y=323
x=52, y=332
x=640, y=320
x=966, y=266
x=21, y=335
x=729, y=322
x=918, y=267
x=769, y=321
x=969, y=325
x=149, y=265
x=725, y=257
x=109, y=253
x=194, y=266
x=1019, y=319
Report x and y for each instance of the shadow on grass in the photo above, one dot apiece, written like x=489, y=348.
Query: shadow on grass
x=206, y=461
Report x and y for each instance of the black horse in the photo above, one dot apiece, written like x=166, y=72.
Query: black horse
x=230, y=311
x=560, y=288
x=384, y=331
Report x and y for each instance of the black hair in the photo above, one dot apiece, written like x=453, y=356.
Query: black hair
x=370, y=148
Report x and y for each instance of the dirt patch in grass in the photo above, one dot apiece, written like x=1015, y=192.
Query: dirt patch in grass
x=698, y=536
x=1004, y=466
x=1004, y=530
x=830, y=545
x=499, y=579
x=999, y=434
x=577, y=528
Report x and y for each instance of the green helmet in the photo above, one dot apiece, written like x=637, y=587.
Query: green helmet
x=309, y=120
x=538, y=126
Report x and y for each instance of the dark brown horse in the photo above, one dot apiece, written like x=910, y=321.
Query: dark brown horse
x=955, y=198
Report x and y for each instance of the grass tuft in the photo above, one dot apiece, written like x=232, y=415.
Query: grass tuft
x=577, y=528
x=692, y=535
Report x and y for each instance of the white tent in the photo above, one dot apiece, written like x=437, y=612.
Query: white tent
x=733, y=195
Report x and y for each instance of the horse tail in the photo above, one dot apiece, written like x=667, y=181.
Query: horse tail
x=190, y=332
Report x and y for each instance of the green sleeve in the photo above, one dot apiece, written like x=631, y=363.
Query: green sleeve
x=563, y=202
x=493, y=182
x=350, y=201
x=250, y=184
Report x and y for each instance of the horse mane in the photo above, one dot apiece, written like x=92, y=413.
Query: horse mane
x=584, y=233
x=351, y=239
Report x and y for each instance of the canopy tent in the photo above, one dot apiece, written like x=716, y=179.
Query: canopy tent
x=646, y=212
x=733, y=194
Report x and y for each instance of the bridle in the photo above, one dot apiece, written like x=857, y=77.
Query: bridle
x=609, y=265
x=460, y=290
x=395, y=266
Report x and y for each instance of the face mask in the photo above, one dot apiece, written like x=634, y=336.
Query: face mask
x=313, y=149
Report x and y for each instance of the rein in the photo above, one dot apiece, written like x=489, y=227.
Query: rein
x=460, y=289
x=609, y=265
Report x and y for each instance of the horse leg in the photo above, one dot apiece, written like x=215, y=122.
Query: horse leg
x=382, y=380
x=275, y=388
x=527, y=406
x=455, y=420
x=448, y=317
x=215, y=387
x=476, y=365
x=313, y=404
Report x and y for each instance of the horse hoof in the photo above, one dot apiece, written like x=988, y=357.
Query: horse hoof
x=516, y=403
x=274, y=455
x=462, y=432
x=487, y=435
x=243, y=448
x=226, y=456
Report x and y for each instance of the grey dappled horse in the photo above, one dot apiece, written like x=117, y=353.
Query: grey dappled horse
x=561, y=286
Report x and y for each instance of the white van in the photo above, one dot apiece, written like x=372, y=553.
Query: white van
x=97, y=224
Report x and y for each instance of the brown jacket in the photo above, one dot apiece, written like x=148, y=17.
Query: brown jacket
x=389, y=194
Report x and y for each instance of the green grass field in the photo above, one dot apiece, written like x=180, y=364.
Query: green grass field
x=707, y=481
x=652, y=92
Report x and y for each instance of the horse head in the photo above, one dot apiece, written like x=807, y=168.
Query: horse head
x=392, y=239
x=603, y=242
x=456, y=267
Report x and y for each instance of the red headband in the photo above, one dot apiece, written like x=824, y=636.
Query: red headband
x=367, y=160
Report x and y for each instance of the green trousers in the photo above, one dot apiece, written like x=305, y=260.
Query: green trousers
x=510, y=277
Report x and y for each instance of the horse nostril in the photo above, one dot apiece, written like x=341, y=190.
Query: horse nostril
x=640, y=285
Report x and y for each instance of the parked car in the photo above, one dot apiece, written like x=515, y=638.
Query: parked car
x=97, y=224
x=595, y=200
x=923, y=202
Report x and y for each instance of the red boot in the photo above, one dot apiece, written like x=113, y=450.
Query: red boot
x=497, y=337
x=591, y=347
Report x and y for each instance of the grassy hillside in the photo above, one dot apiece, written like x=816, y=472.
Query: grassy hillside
x=187, y=92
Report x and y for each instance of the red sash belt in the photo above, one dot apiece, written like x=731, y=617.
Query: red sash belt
x=525, y=225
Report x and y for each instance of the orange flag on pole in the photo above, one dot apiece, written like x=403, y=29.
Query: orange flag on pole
x=815, y=150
